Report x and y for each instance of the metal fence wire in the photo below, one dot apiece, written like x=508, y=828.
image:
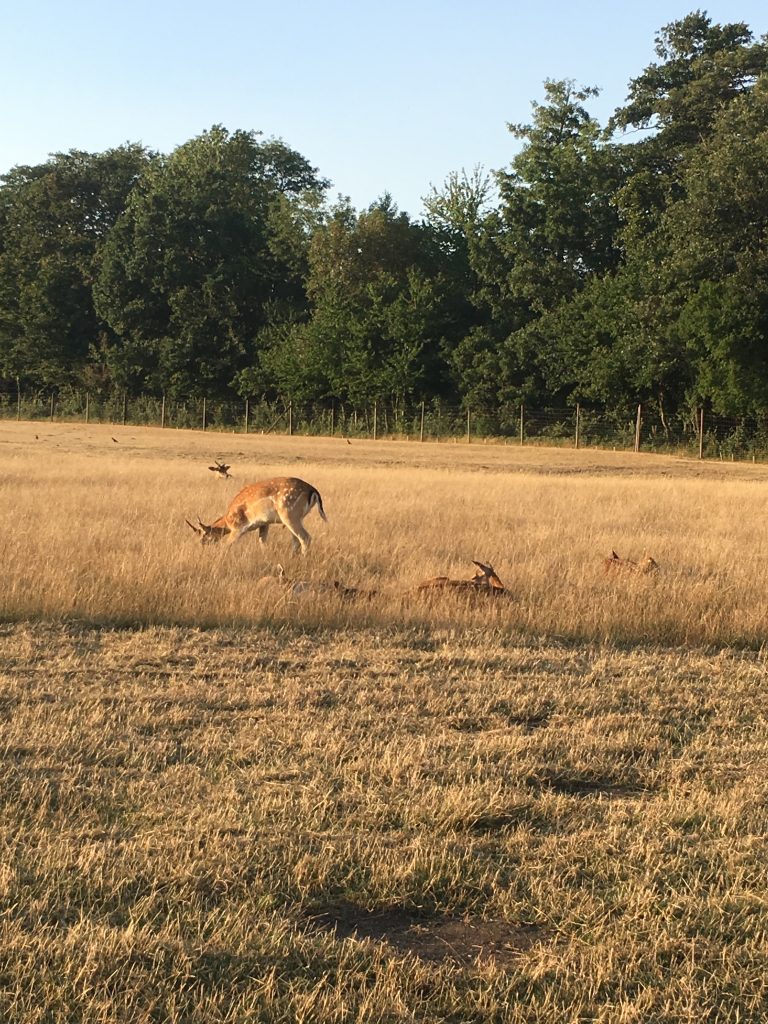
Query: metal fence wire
x=695, y=433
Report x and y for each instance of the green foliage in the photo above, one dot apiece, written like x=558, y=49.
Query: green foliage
x=597, y=267
x=54, y=221
x=558, y=220
x=214, y=234
x=376, y=307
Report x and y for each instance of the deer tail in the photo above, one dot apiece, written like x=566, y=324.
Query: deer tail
x=315, y=499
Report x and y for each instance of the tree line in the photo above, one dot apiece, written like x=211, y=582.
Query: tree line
x=608, y=264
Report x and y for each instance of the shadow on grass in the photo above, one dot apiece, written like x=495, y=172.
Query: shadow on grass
x=434, y=939
x=575, y=785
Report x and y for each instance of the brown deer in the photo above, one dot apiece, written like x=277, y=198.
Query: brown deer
x=646, y=566
x=485, y=581
x=283, y=500
x=297, y=587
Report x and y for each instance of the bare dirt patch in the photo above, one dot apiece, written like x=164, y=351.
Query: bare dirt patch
x=434, y=939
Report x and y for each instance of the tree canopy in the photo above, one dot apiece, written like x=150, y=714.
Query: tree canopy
x=607, y=264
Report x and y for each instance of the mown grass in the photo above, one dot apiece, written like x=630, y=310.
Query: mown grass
x=245, y=809
x=197, y=824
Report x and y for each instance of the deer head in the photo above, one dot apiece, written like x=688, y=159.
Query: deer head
x=207, y=534
x=485, y=576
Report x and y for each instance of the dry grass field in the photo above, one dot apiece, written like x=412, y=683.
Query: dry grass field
x=229, y=803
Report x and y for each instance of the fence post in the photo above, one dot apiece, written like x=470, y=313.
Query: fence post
x=162, y=412
x=469, y=436
x=290, y=419
x=421, y=425
x=333, y=419
x=87, y=404
x=246, y=415
x=204, y=424
x=522, y=423
x=375, y=420
x=18, y=399
x=125, y=407
x=52, y=406
x=701, y=433
x=578, y=424
x=637, y=427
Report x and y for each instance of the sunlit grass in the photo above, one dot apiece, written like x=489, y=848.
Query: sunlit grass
x=197, y=823
x=95, y=530
x=222, y=803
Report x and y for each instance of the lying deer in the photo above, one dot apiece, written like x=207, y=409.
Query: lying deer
x=485, y=581
x=284, y=500
x=644, y=567
x=311, y=586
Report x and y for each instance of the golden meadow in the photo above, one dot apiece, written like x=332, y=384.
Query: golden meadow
x=226, y=804
x=93, y=529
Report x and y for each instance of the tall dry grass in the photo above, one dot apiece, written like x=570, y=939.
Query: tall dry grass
x=94, y=530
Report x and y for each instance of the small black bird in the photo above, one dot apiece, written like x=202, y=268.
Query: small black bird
x=221, y=469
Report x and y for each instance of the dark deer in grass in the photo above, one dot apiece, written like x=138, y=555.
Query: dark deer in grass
x=647, y=566
x=286, y=585
x=485, y=581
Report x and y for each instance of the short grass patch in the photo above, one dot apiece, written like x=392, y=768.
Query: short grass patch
x=285, y=825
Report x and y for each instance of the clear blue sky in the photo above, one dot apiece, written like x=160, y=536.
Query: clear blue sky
x=380, y=96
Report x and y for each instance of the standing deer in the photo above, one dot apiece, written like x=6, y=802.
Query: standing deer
x=284, y=499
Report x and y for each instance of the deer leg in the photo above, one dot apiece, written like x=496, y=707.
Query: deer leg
x=263, y=532
x=300, y=539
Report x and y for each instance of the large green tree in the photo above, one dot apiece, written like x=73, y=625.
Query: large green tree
x=54, y=222
x=673, y=105
x=717, y=255
x=376, y=311
x=214, y=239
x=554, y=229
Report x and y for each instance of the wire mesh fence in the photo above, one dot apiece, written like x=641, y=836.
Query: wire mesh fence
x=693, y=433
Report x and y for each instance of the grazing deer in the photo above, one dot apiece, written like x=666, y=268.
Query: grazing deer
x=311, y=586
x=284, y=499
x=485, y=581
x=221, y=469
x=646, y=566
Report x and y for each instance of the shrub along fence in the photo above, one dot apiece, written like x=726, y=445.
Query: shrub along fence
x=696, y=433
